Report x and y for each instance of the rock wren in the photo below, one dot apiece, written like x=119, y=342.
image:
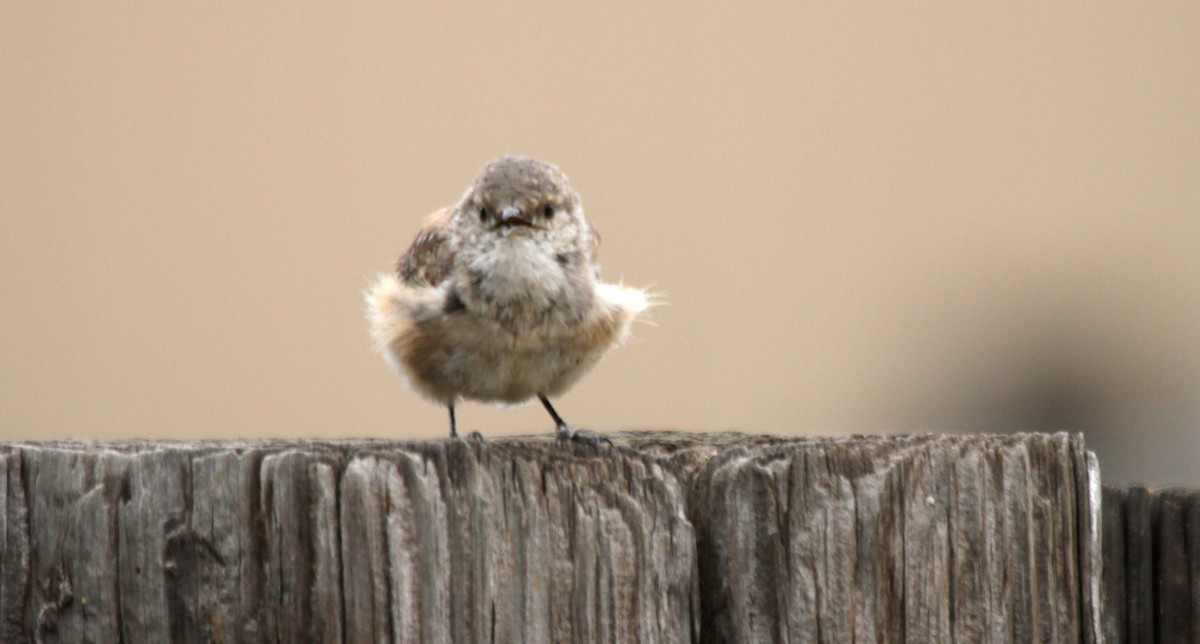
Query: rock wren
x=498, y=299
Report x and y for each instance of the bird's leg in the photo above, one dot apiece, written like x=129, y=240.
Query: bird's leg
x=473, y=436
x=564, y=430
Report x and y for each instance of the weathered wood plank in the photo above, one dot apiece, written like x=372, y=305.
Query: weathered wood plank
x=1177, y=562
x=665, y=537
x=74, y=545
x=1091, y=545
x=924, y=538
x=14, y=546
x=1117, y=573
x=1152, y=565
x=226, y=541
x=460, y=542
x=440, y=541
x=298, y=498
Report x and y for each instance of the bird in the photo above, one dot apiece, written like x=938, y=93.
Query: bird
x=499, y=299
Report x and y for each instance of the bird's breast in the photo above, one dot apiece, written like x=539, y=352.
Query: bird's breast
x=522, y=284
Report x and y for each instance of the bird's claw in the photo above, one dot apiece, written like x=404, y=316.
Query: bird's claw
x=589, y=439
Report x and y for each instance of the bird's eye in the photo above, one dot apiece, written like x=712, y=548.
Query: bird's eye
x=548, y=210
x=484, y=214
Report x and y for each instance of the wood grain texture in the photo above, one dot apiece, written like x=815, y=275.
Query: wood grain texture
x=665, y=537
x=353, y=541
x=900, y=539
x=1152, y=565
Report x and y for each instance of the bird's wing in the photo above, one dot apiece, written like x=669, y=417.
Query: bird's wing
x=429, y=259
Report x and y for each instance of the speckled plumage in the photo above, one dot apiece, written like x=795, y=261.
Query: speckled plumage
x=498, y=299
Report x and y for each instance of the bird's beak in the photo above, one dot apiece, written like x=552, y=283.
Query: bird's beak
x=511, y=216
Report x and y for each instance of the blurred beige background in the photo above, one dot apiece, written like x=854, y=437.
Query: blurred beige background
x=865, y=219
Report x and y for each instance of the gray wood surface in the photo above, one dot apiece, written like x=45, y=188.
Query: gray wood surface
x=664, y=537
x=1152, y=571
x=900, y=539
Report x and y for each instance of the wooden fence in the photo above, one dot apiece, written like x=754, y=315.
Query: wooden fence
x=663, y=537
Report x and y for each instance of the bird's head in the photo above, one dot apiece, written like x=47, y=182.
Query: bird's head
x=517, y=197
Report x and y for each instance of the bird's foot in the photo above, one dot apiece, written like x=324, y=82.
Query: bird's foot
x=576, y=436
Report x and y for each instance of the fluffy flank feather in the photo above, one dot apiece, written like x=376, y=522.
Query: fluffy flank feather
x=626, y=304
x=392, y=308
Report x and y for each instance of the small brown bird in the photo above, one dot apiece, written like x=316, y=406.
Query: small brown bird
x=498, y=299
